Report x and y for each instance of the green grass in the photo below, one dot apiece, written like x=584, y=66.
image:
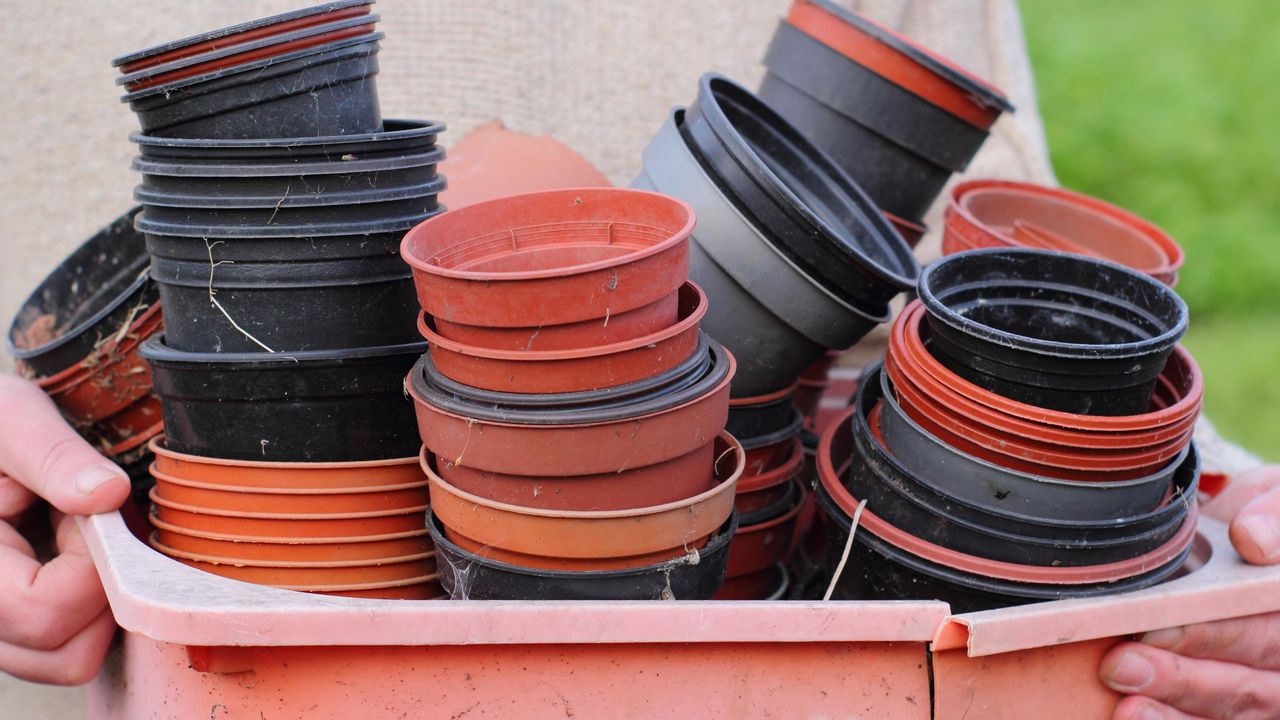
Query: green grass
x=1169, y=108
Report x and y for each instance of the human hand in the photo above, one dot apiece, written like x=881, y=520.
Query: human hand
x=1228, y=670
x=54, y=622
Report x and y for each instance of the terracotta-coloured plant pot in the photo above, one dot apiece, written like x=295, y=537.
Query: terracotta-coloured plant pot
x=428, y=589
x=299, y=575
x=640, y=322
x=1001, y=213
x=589, y=368
x=831, y=483
x=670, y=481
x=574, y=449
x=338, y=527
x=491, y=162
x=111, y=380
x=565, y=540
x=237, y=549
x=901, y=61
x=134, y=423
x=348, y=476
x=912, y=232
x=766, y=488
x=549, y=258
x=135, y=448
x=221, y=498
x=768, y=584
x=760, y=546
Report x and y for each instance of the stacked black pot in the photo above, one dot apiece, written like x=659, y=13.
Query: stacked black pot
x=796, y=259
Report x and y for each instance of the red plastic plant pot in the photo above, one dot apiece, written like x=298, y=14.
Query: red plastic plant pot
x=287, y=527
x=762, y=585
x=912, y=232
x=114, y=378
x=220, y=498
x=567, y=540
x=300, y=575
x=319, y=552
x=135, y=448
x=808, y=396
x=817, y=372
x=669, y=481
x=554, y=371
x=227, y=37
x=769, y=487
x=349, y=476
x=550, y=258
x=855, y=37
x=578, y=449
x=758, y=547
x=831, y=469
x=1180, y=391
x=1001, y=213
x=135, y=423
x=761, y=460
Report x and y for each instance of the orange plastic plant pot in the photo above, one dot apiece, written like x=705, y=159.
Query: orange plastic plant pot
x=288, y=527
x=429, y=590
x=588, y=368
x=348, y=476
x=585, y=449
x=640, y=322
x=769, y=487
x=328, y=501
x=606, y=539
x=670, y=481
x=758, y=547
x=113, y=380
x=134, y=449
x=299, y=578
x=329, y=552
x=501, y=264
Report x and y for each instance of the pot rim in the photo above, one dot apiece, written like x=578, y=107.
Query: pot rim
x=388, y=585
x=187, y=168
x=781, y=435
x=766, y=399
x=299, y=565
x=407, y=250
x=771, y=478
x=276, y=540
x=146, y=324
x=253, y=490
x=154, y=350
x=797, y=504
x=941, y=311
x=882, y=530
x=137, y=441
x=157, y=447
x=404, y=128
x=291, y=517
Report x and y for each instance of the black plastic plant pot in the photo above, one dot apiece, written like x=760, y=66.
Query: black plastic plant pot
x=219, y=306
x=808, y=207
x=316, y=406
x=1053, y=330
x=900, y=148
x=293, y=218
x=328, y=89
x=697, y=576
x=910, y=504
x=383, y=241
x=691, y=379
x=792, y=428
x=877, y=570
x=92, y=295
x=395, y=138
x=774, y=510
x=749, y=420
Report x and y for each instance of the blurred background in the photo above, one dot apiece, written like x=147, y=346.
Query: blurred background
x=1168, y=108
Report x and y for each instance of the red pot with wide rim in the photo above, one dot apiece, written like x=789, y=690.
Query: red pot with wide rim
x=1002, y=213
x=547, y=259
x=574, y=449
x=771, y=486
x=215, y=497
x=586, y=368
x=348, y=476
x=601, y=540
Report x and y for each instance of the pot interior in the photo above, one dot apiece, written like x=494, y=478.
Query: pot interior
x=1054, y=313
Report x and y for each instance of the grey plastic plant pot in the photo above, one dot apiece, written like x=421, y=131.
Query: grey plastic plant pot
x=763, y=308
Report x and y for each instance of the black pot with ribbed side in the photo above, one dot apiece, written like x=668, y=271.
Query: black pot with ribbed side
x=315, y=406
x=809, y=209
x=1057, y=331
x=395, y=138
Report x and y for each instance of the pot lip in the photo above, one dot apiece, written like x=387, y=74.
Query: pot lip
x=159, y=524
x=284, y=564
x=283, y=233
x=152, y=73
x=137, y=441
x=771, y=478
x=234, y=29
x=796, y=505
x=791, y=430
x=942, y=312
x=690, y=321
x=729, y=484
x=392, y=129
x=747, y=403
x=676, y=238
x=160, y=475
x=1173, y=252
x=146, y=324
x=964, y=562
x=900, y=272
x=719, y=540
x=165, y=167
x=987, y=93
x=910, y=323
x=163, y=200
x=290, y=517
x=155, y=351
x=388, y=585
x=157, y=446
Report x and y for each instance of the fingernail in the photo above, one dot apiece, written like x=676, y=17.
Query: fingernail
x=1146, y=712
x=1167, y=639
x=92, y=478
x=1263, y=532
x=1131, y=672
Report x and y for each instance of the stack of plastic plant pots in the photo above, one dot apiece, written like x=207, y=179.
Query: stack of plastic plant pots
x=1028, y=438
x=273, y=200
x=796, y=259
x=1003, y=213
x=894, y=115
x=78, y=337
x=571, y=410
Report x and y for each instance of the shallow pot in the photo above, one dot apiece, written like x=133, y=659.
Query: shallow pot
x=344, y=527
x=221, y=498
x=309, y=476
x=234, y=548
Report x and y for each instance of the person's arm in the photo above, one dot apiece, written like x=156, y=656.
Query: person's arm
x=54, y=622
x=1228, y=670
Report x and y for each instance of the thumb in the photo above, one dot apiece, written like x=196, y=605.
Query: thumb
x=42, y=452
x=1255, y=531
